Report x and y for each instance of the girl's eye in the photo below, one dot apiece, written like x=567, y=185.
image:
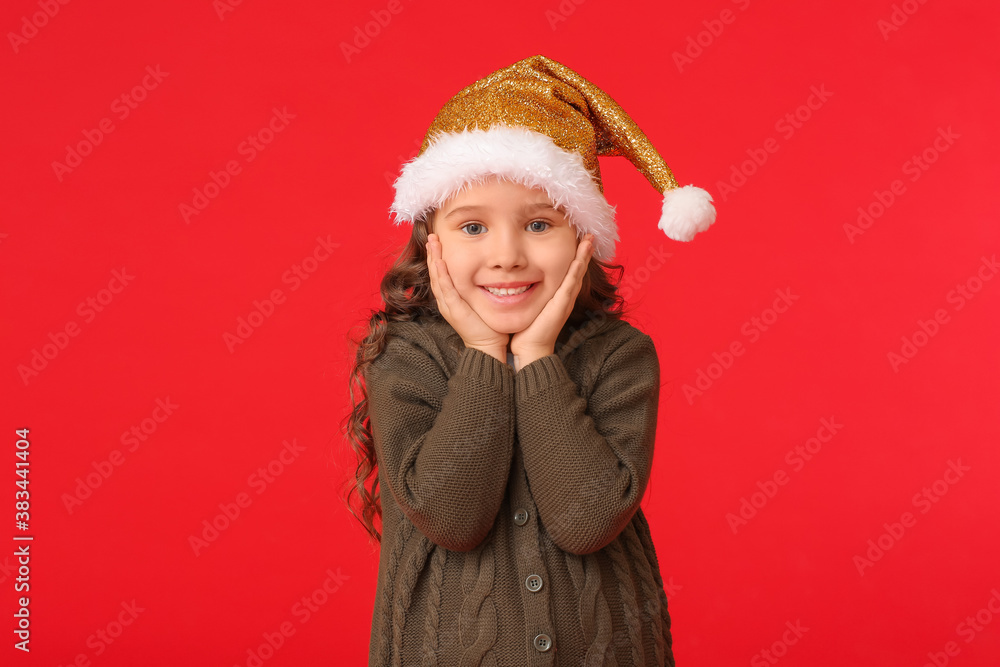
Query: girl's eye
x=539, y=222
x=472, y=228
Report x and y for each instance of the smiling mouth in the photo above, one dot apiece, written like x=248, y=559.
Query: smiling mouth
x=508, y=291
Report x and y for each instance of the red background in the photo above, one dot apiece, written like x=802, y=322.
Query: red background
x=889, y=88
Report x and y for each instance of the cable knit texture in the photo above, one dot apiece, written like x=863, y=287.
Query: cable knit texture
x=512, y=532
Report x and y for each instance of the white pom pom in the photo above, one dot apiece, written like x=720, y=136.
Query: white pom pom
x=686, y=211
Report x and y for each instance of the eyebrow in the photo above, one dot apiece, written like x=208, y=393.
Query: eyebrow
x=528, y=208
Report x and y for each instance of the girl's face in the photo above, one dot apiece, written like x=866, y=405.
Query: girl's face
x=502, y=234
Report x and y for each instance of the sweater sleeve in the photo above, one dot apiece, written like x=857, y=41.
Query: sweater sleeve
x=444, y=445
x=588, y=462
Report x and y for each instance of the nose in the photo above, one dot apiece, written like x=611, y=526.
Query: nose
x=506, y=250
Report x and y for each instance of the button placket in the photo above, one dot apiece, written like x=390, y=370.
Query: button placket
x=531, y=569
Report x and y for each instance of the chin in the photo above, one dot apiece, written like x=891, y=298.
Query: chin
x=509, y=329
x=508, y=325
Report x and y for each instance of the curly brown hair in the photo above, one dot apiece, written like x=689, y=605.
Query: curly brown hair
x=406, y=293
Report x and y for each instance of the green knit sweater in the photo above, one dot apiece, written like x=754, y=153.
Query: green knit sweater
x=512, y=532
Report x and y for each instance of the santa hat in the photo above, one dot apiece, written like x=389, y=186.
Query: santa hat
x=540, y=124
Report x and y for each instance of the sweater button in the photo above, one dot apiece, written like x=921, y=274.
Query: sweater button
x=543, y=642
x=534, y=583
x=521, y=517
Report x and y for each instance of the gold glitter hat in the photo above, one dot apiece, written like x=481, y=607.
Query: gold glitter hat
x=541, y=124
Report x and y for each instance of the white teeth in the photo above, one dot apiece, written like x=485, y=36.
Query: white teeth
x=505, y=291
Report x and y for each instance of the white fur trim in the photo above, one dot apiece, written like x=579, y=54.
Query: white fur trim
x=517, y=154
x=686, y=211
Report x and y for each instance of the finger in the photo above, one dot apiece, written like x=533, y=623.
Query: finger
x=431, y=248
x=573, y=282
x=586, y=248
x=452, y=300
x=446, y=286
x=435, y=265
x=431, y=268
x=434, y=256
x=442, y=276
x=578, y=267
x=585, y=253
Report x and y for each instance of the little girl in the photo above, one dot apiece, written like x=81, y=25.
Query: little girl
x=504, y=402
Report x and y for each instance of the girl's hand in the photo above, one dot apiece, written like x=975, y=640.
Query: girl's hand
x=457, y=311
x=539, y=339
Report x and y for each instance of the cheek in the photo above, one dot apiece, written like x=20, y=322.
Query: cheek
x=458, y=268
x=565, y=254
x=561, y=267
